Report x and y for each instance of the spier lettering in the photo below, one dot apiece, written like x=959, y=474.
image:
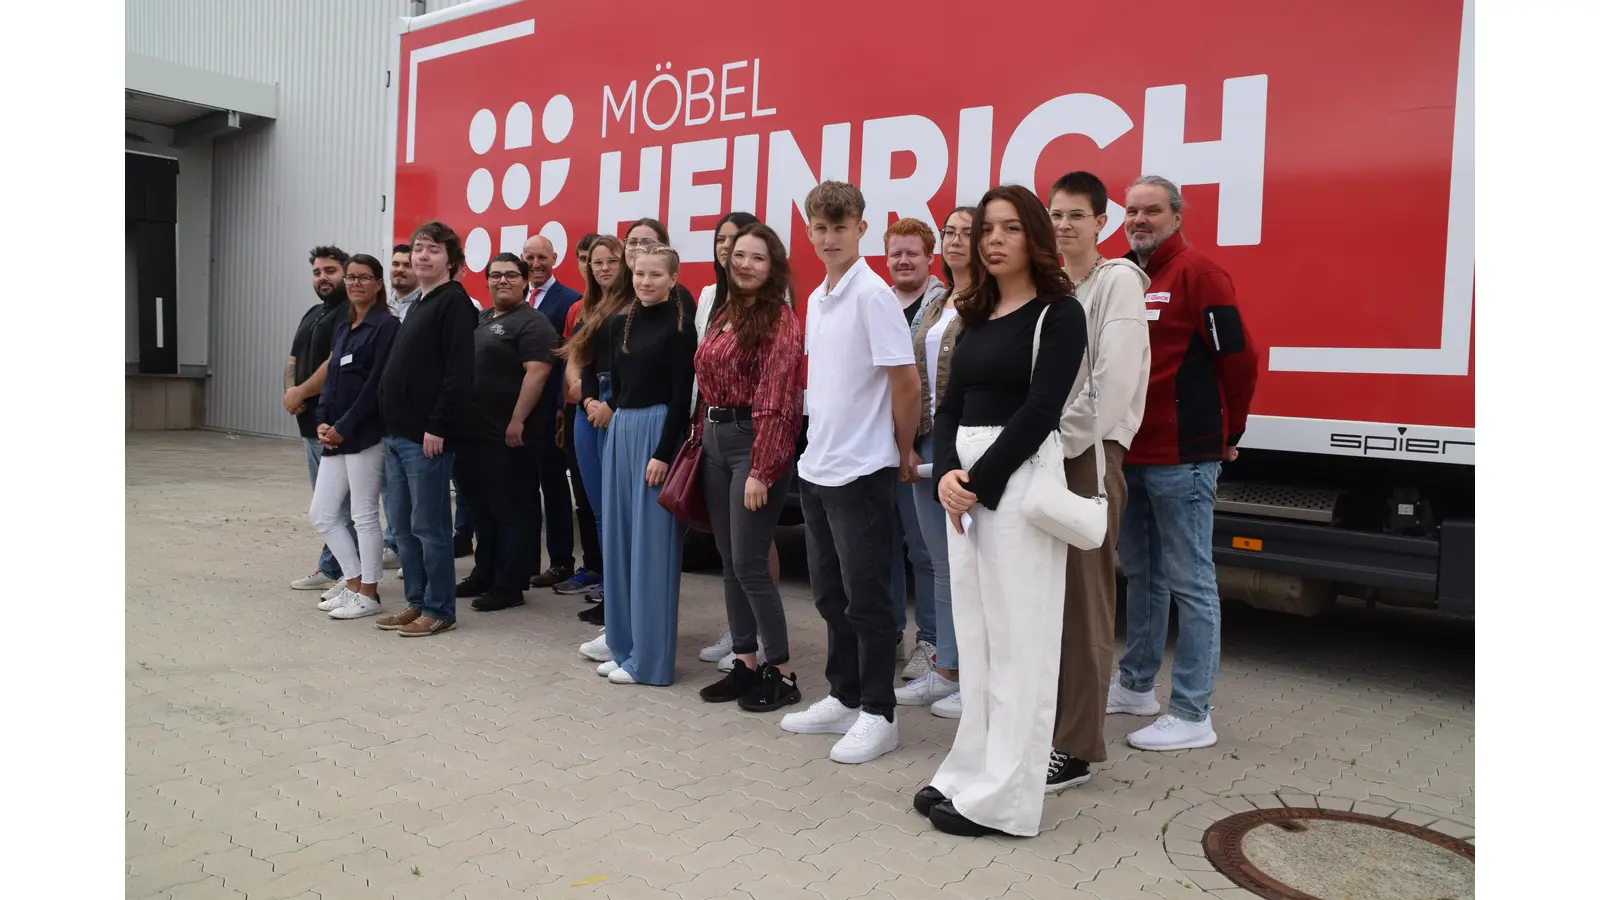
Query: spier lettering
x=1368, y=444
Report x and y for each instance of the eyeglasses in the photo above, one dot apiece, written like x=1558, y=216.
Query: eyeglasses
x=603, y=263
x=952, y=233
x=504, y=276
x=636, y=243
x=1076, y=215
x=359, y=279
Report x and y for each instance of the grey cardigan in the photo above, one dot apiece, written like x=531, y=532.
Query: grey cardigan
x=932, y=307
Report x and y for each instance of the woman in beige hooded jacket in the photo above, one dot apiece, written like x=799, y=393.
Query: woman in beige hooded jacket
x=1112, y=294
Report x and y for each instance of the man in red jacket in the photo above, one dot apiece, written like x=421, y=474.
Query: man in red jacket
x=1202, y=375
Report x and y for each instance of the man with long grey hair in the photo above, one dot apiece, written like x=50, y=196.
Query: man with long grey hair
x=1202, y=376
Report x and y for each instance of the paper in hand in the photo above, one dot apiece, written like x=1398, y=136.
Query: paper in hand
x=925, y=470
x=966, y=524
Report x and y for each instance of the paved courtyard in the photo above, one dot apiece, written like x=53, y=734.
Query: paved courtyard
x=274, y=753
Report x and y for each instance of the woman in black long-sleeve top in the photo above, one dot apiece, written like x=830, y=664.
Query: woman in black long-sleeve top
x=652, y=344
x=1008, y=578
x=351, y=434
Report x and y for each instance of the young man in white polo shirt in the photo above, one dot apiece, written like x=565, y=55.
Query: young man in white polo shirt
x=862, y=393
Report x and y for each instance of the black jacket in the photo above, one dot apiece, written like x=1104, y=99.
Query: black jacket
x=429, y=376
x=350, y=392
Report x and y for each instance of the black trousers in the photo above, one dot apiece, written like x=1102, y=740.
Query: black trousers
x=500, y=486
x=755, y=608
x=588, y=532
x=849, y=545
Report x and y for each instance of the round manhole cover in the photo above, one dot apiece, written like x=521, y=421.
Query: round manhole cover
x=1316, y=854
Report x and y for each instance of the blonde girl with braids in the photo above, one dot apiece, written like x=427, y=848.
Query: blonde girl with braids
x=650, y=343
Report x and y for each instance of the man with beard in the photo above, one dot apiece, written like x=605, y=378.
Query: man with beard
x=1202, y=376
x=302, y=382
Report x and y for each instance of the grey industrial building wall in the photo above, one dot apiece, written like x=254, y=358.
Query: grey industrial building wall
x=313, y=176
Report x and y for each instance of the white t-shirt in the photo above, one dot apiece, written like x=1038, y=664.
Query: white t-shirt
x=930, y=352
x=853, y=333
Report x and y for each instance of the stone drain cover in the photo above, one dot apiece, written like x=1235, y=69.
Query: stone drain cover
x=1317, y=854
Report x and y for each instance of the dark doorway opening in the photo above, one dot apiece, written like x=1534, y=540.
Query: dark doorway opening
x=152, y=221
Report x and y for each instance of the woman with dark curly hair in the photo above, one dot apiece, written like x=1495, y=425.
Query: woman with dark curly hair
x=1008, y=577
x=748, y=417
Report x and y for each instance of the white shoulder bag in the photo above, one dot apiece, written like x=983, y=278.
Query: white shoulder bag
x=1049, y=504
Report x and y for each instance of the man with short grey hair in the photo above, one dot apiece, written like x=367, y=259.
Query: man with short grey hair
x=1202, y=377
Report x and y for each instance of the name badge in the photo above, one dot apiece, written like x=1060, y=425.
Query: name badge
x=1152, y=314
x=1158, y=297
x=347, y=359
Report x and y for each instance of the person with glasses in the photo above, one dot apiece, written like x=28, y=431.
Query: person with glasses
x=602, y=260
x=933, y=338
x=643, y=233
x=582, y=353
x=494, y=466
x=586, y=578
x=350, y=434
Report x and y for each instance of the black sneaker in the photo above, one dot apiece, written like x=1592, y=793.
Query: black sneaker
x=733, y=686
x=771, y=690
x=1065, y=771
x=467, y=587
x=463, y=545
x=594, y=615
x=498, y=600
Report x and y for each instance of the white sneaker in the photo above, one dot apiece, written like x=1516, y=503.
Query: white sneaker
x=949, y=707
x=619, y=675
x=869, y=738
x=1121, y=700
x=718, y=650
x=605, y=669
x=1173, y=733
x=334, y=597
x=336, y=590
x=921, y=662
x=356, y=606
x=826, y=716
x=726, y=663
x=597, y=649
x=391, y=559
x=316, y=581
x=928, y=689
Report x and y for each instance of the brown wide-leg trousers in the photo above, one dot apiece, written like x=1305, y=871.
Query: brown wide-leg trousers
x=1089, y=622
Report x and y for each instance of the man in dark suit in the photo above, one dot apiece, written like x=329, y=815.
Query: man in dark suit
x=554, y=299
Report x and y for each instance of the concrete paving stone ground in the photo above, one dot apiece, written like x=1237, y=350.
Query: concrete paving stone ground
x=274, y=753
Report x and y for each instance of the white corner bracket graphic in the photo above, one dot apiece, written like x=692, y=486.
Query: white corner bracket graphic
x=450, y=48
x=1455, y=334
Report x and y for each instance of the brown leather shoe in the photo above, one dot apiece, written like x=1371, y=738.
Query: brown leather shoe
x=551, y=577
x=400, y=619
x=425, y=626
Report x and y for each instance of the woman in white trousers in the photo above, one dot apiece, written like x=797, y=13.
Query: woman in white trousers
x=351, y=435
x=1007, y=577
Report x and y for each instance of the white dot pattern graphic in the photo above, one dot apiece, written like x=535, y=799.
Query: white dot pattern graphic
x=477, y=249
x=481, y=134
x=514, y=186
x=557, y=121
x=480, y=190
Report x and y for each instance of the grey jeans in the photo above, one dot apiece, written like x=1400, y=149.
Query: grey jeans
x=743, y=537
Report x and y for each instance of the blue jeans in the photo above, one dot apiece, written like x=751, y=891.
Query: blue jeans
x=1164, y=546
x=908, y=534
x=588, y=443
x=932, y=518
x=416, y=496
x=326, y=564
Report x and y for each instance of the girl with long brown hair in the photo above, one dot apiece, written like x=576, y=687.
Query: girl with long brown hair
x=747, y=420
x=1023, y=338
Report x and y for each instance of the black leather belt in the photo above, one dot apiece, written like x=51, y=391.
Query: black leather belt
x=725, y=414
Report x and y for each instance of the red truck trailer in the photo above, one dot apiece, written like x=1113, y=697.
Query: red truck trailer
x=1325, y=152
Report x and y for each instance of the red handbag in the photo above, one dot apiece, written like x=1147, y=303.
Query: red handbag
x=682, y=494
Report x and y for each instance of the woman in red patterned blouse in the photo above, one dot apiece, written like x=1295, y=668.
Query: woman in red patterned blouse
x=747, y=420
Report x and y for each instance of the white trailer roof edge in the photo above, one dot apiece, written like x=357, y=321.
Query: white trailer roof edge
x=428, y=20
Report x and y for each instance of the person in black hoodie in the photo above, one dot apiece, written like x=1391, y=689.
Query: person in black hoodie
x=423, y=397
x=350, y=437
